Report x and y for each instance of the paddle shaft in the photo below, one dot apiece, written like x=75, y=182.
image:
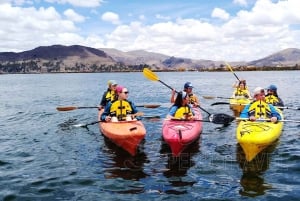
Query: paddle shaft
x=232, y=71
x=69, y=108
x=282, y=120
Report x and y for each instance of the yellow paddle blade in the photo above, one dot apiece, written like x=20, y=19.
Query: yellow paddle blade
x=229, y=67
x=150, y=75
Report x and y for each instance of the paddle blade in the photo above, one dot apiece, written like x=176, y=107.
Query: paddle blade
x=148, y=106
x=229, y=67
x=209, y=97
x=221, y=118
x=66, y=108
x=219, y=103
x=150, y=75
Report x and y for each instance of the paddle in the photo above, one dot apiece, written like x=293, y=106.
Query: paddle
x=153, y=77
x=282, y=120
x=69, y=108
x=232, y=71
x=95, y=122
x=280, y=107
x=213, y=97
x=220, y=118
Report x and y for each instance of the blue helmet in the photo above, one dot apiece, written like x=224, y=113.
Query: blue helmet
x=188, y=85
x=272, y=87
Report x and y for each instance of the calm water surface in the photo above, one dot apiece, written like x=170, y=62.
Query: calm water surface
x=44, y=157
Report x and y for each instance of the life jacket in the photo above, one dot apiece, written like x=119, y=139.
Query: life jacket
x=260, y=109
x=271, y=99
x=192, y=99
x=241, y=92
x=120, y=109
x=183, y=112
x=110, y=96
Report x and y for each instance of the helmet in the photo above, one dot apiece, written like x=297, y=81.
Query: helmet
x=257, y=90
x=111, y=82
x=272, y=87
x=188, y=85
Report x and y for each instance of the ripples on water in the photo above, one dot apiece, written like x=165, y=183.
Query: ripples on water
x=44, y=157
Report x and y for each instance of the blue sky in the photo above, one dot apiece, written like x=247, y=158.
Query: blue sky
x=230, y=30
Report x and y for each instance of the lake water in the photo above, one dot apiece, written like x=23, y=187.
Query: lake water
x=44, y=157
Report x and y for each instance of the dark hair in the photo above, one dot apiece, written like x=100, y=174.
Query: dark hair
x=179, y=99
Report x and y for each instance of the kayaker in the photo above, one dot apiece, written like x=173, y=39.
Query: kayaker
x=259, y=109
x=181, y=108
x=241, y=90
x=188, y=88
x=120, y=109
x=272, y=96
x=108, y=96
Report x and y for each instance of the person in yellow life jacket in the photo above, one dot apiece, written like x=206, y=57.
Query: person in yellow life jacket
x=272, y=96
x=241, y=90
x=108, y=96
x=181, y=108
x=188, y=88
x=120, y=109
x=259, y=109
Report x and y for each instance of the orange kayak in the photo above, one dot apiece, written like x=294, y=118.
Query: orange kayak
x=179, y=134
x=125, y=134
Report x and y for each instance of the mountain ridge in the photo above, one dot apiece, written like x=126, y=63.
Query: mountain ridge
x=77, y=58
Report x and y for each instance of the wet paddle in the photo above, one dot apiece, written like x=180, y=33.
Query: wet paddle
x=69, y=108
x=153, y=77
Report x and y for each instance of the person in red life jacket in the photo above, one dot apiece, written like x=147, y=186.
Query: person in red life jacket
x=272, y=96
x=241, y=90
x=121, y=108
x=181, y=108
x=259, y=109
x=188, y=88
x=108, y=96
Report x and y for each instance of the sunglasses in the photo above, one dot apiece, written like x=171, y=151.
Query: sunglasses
x=125, y=92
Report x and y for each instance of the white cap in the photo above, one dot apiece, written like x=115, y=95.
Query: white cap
x=257, y=90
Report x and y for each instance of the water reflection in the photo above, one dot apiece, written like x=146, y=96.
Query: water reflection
x=177, y=167
x=122, y=165
x=252, y=180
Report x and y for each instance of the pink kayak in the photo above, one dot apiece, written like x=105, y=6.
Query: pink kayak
x=179, y=134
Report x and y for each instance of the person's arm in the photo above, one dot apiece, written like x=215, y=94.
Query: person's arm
x=172, y=99
x=280, y=102
x=103, y=101
x=171, y=113
x=134, y=110
x=197, y=102
x=244, y=113
x=274, y=112
x=105, y=115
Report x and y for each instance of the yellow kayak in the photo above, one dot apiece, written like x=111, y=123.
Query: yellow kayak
x=256, y=136
x=238, y=103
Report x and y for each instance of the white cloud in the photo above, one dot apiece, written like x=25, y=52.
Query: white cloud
x=27, y=28
x=240, y=2
x=73, y=16
x=79, y=3
x=111, y=17
x=220, y=13
x=246, y=35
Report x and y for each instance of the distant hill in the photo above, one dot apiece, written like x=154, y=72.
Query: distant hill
x=76, y=58
x=287, y=57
